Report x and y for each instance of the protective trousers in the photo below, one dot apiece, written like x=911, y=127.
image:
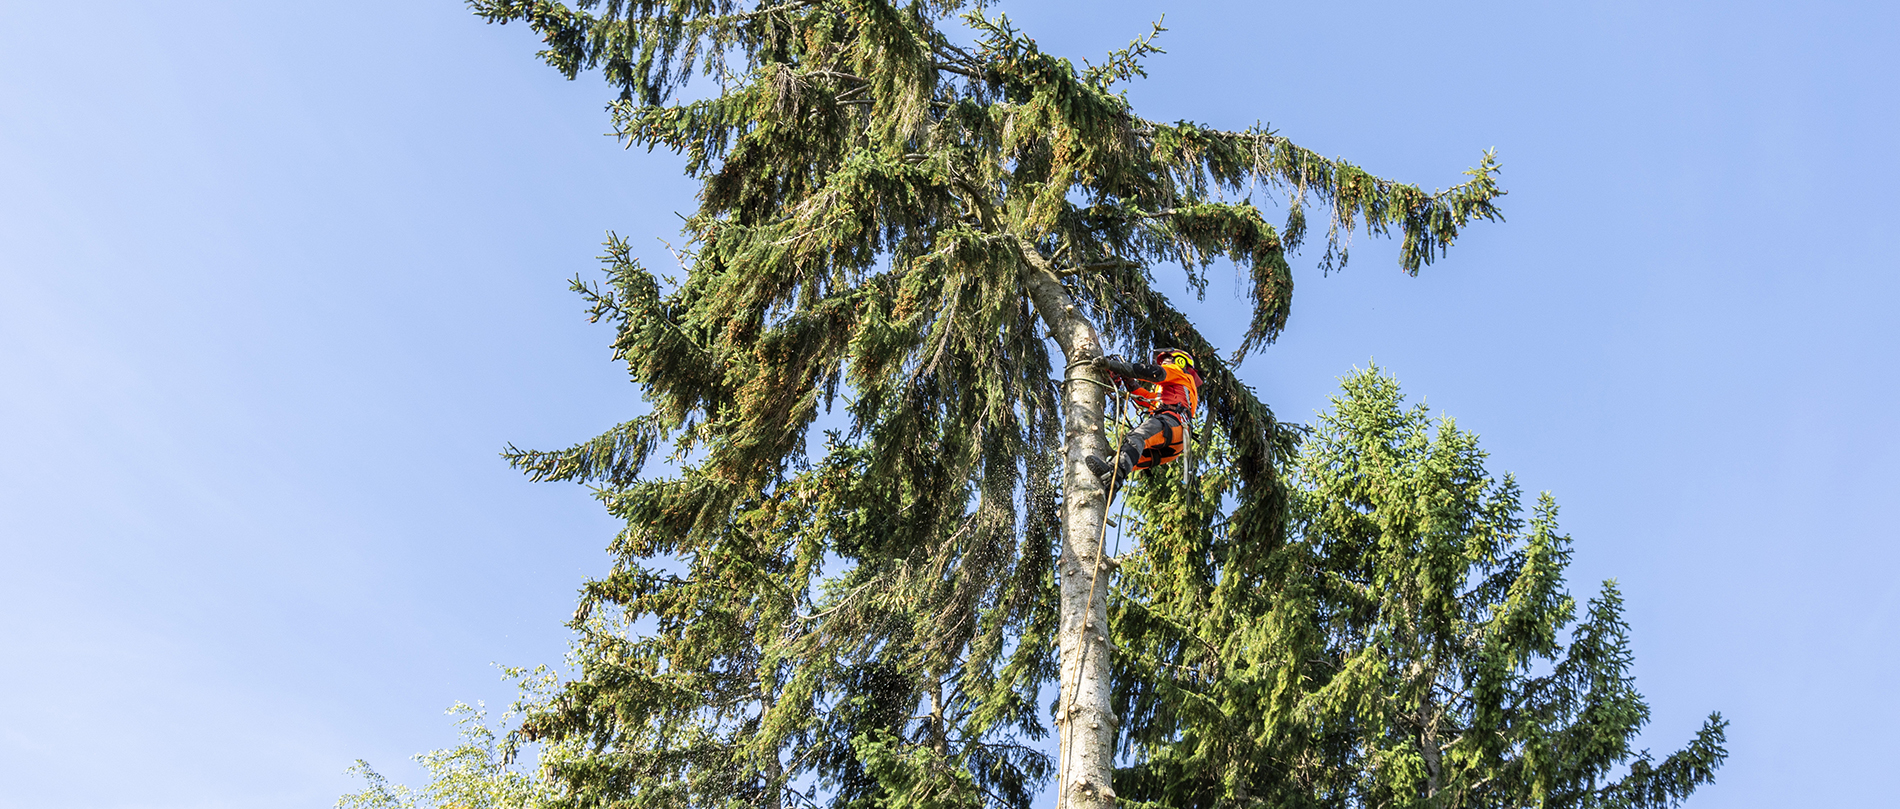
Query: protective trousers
x=1157, y=441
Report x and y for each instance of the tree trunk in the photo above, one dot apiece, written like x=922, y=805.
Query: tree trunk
x=1085, y=717
x=939, y=732
x=774, y=768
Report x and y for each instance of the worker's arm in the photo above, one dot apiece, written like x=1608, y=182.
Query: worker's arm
x=1143, y=371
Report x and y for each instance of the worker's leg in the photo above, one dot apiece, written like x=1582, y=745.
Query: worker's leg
x=1157, y=440
x=1161, y=446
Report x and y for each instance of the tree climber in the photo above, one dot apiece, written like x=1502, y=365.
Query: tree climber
x=1169, y=390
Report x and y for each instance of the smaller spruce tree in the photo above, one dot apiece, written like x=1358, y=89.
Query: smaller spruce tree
x=1405, y=648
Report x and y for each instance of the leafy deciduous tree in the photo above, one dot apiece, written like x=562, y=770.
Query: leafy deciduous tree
x=479, y=773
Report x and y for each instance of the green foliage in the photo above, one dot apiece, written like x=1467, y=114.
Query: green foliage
x=1408, y=648
x=476, y=774
x=910, y=776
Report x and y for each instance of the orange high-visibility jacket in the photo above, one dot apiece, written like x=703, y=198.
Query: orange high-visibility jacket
x=1172, y=387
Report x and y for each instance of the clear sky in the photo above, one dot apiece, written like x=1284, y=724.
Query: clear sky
x=279, y=280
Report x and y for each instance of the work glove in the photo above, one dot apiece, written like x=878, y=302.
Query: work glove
x=1116, y=365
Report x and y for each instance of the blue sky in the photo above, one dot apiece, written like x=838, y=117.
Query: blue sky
x=277, y=281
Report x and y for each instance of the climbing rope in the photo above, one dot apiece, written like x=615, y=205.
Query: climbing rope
x=1121, y=518
x=1187, y=460
x=1067, y=378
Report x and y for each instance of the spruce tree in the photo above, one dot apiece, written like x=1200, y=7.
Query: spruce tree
x=1443, y=610
x=939, y=238
x=1404, y=648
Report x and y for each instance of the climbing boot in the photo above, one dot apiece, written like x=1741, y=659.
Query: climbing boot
x=1105, y=472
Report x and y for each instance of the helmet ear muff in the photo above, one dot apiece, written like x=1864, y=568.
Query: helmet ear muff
x=1167, y=356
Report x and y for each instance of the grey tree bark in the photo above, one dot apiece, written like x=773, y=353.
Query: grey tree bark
x=1085, y=717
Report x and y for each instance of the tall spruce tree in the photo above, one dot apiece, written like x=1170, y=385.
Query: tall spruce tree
x=906, y=225
x=1404, y=647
